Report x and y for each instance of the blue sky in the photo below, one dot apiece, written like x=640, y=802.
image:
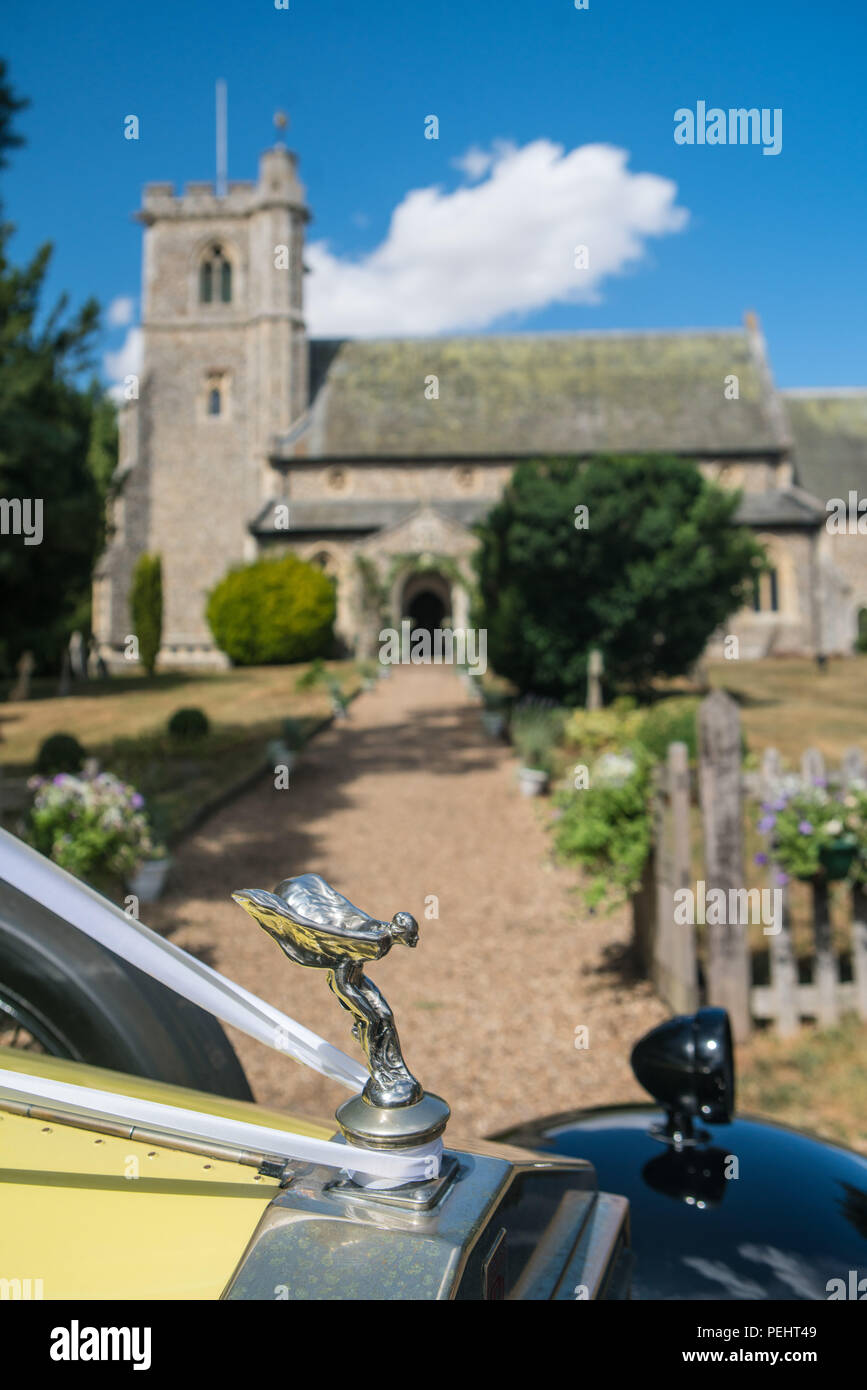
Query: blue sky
x=715, y=231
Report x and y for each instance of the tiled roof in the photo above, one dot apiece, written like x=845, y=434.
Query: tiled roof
x=538, y=394
x=830, y=435
x=362, y=515
x=790, y=507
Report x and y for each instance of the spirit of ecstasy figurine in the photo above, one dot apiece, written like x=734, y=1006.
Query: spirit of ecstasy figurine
x=317, y=927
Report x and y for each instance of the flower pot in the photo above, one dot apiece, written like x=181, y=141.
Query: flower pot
x=494, y=722
x=149, y=880
x=281, y=755
x=836, y=858
x=532, y=781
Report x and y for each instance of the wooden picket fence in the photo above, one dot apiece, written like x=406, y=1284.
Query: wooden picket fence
x=668, y=948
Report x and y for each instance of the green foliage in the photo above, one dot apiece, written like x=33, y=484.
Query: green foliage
x=102, y=444
x=272, y=612
x=146, y=609
x=607, y=830
x=60, y=753
x=659, y=568
x=93, y=826
x=535, y=729
x=595, y=731
x=861, y=639
x=45, y=429
x=187, y=725
x=674, y=720
x=807, y=824
x=294, y=735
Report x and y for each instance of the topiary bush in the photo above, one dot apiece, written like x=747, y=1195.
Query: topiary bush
x=60, y=753
x=670, y=721
x=146, y=609
x=189, y=724
x=273, y=612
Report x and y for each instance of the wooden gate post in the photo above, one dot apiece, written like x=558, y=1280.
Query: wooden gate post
x=720, y=792
x=784, y=966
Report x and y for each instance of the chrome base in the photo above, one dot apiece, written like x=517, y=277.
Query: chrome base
x=395, y=1127
x=420, y=1196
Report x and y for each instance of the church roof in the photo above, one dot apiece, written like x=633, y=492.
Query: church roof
x=780, y=507
x=533, y=394
x=830, y=434
x=361, y=515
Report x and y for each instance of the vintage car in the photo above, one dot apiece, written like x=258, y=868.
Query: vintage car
x=136, y=1165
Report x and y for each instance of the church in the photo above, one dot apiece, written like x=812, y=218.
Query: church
x=374, y=458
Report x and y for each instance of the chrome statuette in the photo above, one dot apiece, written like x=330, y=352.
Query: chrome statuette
x=317, y=927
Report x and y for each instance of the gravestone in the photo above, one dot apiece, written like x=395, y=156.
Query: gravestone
x=78, y=657
x=64, y=685
x=25, y=668
x=595, y=668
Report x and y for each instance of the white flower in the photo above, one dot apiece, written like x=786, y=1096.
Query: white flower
x=833, y=827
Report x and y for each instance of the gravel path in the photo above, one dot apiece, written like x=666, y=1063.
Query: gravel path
x=406, y=802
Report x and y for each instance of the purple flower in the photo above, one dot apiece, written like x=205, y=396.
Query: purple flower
x=780, y=877
x=779, y=805
x=137, y=800
x=805, y=827
x=59, y=779
x=767, y=823
x=761, y=859
x=820, y=781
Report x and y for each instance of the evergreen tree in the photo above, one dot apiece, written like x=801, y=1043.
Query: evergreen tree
x=646, y=574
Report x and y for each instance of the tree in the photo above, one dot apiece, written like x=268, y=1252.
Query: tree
x=273, y=611
x=146, y=609
x=52, y=520
x=646, y=574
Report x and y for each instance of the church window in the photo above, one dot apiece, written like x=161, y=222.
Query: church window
x=765, y=593
x=215, y=277
x=465, y=477
x=216, y=394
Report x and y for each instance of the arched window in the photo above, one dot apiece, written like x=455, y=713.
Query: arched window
x=765, y=592
x=215, y=277
x=215, y=401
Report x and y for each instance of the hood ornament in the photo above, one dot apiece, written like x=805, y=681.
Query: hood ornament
x=317, y=927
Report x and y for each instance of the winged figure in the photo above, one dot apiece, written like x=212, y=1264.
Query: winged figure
x=317, y=927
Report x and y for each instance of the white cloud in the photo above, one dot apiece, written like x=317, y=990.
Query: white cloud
x=475, y=163
x=463, y=259
x=120, y=311
x=123, y=363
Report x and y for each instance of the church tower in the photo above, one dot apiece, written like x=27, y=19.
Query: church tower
x=224, y=371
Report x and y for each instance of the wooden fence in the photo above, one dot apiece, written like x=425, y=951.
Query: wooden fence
x=667, y=943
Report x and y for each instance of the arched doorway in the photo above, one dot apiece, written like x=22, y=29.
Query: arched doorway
x=426, y=600
x=426, y=610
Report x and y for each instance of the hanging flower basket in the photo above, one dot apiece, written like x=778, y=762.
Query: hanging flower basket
x=836, y=858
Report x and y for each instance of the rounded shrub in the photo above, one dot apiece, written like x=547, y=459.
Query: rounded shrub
x=60, y=753
x=189, y=724
x=273, y=612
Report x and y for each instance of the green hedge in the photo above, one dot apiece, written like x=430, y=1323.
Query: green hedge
x=273, y=612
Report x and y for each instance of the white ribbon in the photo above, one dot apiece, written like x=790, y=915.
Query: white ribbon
x=376, y=1169
x=30, y=872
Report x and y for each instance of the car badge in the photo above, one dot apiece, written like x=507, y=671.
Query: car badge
x=317, y=927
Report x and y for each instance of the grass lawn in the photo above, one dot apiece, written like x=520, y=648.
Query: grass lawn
x=788, y=704
x=817, y=1081
x=122, y=722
